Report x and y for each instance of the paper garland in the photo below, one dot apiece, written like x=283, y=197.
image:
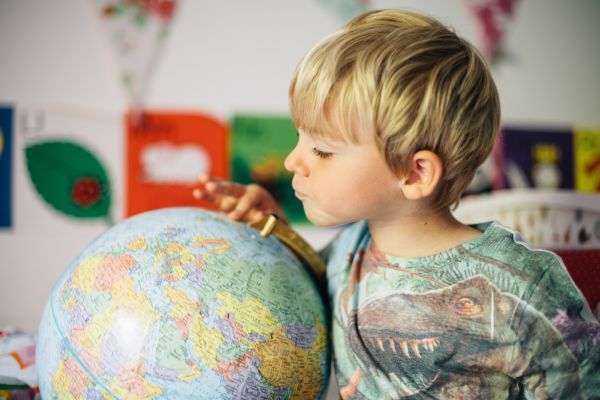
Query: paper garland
x=347, y=9
x=137, y=30
x=492, y=18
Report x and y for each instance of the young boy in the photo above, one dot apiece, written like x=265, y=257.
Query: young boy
x=394, y=115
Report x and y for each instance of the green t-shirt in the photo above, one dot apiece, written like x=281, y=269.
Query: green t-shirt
x=492, y=318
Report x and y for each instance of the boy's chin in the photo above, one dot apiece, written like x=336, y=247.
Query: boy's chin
x=324, y=220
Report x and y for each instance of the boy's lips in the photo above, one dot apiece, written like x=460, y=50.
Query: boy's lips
x=299, y=194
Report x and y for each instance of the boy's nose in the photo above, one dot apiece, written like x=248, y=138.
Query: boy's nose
x=293, y=163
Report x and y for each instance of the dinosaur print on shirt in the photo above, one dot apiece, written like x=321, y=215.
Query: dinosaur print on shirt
x=485, y=320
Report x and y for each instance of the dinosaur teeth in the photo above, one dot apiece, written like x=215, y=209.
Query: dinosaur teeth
x=372, y=340
x=414, y=345
x=404, y=347
x=430, y=344
x=407, y=346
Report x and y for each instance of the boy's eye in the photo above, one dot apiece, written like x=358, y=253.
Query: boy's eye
x=321, y=154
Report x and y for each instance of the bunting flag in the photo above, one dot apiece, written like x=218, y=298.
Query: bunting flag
x=137, y=30
x=492, y=18
x=347, y=9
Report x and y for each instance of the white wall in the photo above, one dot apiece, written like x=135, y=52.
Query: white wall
x=224, y=57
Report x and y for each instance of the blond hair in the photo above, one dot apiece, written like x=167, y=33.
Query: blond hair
x=410, y=82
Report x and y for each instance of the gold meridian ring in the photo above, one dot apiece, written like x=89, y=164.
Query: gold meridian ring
x=270, y=226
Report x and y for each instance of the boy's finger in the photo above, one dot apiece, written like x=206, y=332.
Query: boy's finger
x=250, y=216
x=200, y=194
x=245, y=204
x=209, y=178
x=225, y=188
x=227, y=203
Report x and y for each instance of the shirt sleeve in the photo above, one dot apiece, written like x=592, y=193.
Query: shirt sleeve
x=559, y=338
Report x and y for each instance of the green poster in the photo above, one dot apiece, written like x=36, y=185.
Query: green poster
x=259, y=145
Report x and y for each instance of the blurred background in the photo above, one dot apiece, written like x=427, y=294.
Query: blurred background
x=111, y=108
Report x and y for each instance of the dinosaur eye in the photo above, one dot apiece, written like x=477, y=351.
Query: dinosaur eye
x=466, y=306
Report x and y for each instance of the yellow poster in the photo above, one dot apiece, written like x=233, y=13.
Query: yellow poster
x=587, y=159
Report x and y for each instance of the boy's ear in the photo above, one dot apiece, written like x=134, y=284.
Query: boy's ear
x=424, y=175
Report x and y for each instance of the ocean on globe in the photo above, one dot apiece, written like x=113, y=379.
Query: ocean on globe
x=182, y=303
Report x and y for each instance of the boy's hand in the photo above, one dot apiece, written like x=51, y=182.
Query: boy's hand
x=248, y=203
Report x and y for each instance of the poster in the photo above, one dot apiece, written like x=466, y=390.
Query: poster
x=587, y=159
x=6, y=129
x=68, y=155
x=259, y=147
x=538, y=158
x=166, y=154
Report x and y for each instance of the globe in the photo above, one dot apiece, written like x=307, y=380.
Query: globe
x=182, y=303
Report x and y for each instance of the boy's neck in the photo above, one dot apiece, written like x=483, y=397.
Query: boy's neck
x=420, y=234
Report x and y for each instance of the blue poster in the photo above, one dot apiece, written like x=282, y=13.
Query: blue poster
x=6, y=128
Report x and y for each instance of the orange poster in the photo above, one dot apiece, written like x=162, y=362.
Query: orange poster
x=166, y=154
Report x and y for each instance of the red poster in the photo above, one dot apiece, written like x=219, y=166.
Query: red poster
x=166, y=154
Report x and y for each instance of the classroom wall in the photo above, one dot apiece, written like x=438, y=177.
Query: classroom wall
x=224, y=57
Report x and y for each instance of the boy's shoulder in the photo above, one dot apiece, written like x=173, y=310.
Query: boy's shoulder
x=505, y=244
x=538, y=272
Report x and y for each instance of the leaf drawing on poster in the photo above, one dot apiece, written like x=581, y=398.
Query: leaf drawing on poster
x=69, y=178
x=164, y=162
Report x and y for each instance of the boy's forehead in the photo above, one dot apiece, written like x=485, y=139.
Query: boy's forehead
x=323, y=136
x=331, y=111
x=338, y=137
x=336, y=124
